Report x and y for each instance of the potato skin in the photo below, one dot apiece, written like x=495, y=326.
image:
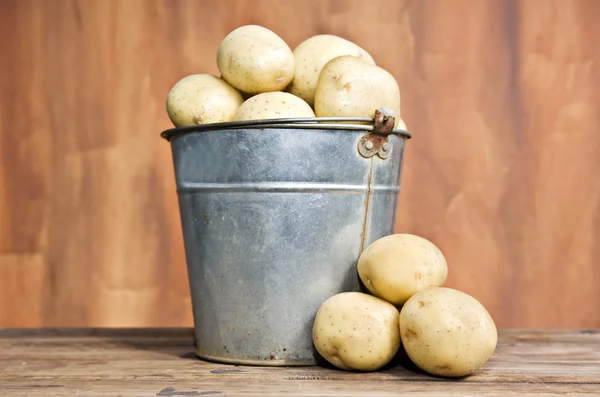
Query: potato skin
x=356, y=331
x=202, y=99
x=273, y=105
x=397, y=266
x=351, y=87
x=312, y=54
x=254, y=59
x=401, y=125
x=447, y=332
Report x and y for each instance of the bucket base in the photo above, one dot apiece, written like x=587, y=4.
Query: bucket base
x=256, y=363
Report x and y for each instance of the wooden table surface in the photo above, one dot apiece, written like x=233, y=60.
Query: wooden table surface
x=160, y=362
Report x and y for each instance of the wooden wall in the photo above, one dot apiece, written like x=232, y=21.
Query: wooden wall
x=503, y=173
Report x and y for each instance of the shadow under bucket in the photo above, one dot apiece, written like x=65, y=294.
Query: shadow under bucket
x=275, y=214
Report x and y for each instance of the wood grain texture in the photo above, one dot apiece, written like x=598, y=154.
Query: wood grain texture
x=153, y=362
x=503, y=173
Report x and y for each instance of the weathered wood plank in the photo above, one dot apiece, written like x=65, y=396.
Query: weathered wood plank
x=155, y=362
x=291, y=388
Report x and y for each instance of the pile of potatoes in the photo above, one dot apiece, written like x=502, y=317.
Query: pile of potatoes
x=262, y=78
x=444, y=332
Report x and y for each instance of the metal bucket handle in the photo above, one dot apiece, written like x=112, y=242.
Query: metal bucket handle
x=375, y=142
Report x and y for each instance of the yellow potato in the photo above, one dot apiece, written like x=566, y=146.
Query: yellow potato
x=254, y=59
x=401, y=125
x=356, y=331
x=312, y=54
x=351, y=87
x=397, y=266
x=273, y=105
x=202, y=99
x=447, y=332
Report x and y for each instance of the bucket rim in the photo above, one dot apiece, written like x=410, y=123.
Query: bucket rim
x=301, y=123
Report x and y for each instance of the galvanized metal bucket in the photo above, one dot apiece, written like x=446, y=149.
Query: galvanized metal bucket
x=275, y=214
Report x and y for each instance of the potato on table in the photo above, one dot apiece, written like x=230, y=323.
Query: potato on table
x=351, y=87
x=312, y=54
x=447, y=332
x=202, y=99
x=397, y=266
x=356, y=331
x=254, y=59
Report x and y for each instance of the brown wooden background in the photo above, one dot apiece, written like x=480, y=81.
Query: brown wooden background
x=503, y=173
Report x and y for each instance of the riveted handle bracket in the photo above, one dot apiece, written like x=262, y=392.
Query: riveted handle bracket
x=377, y=142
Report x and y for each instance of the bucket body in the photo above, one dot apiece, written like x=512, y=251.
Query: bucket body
x=274, y=220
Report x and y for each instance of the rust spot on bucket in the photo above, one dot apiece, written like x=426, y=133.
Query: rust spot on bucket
x=363, y=234
x=384, y=121
x=377, y=142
